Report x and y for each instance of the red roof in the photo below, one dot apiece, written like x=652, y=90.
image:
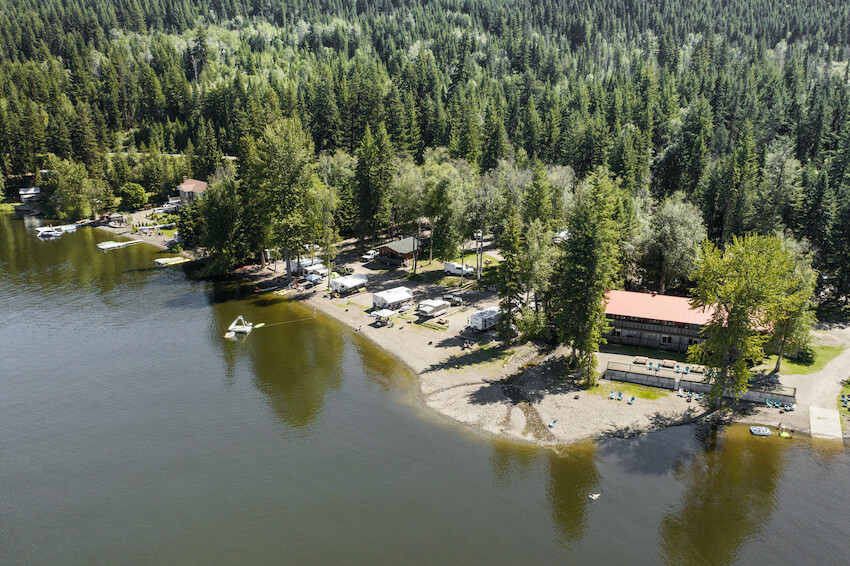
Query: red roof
x=193, y=186
x=655, y=307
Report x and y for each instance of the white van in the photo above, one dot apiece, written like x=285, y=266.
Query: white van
x=453, y=268
x=369, y=256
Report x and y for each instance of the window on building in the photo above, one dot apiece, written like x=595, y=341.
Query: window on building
x=666, y=340
x=617, y=333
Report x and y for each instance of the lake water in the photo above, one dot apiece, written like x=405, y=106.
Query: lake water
x=131, y=432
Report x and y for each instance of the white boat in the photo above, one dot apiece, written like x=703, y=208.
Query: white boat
x=65, y=228
x=240, y=326
x=760, y=430
x=49, y=233
x=110, y=245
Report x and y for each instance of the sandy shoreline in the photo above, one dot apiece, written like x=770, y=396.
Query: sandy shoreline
x=514, y=394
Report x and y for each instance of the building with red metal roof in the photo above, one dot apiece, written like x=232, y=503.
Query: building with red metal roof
x=651, y=320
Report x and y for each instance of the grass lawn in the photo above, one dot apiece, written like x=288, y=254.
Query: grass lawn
x=168, y=232
x=630, y=390
x=433, y=272
x=823, y=355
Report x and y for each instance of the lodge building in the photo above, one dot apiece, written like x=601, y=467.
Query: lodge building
x=651, y=320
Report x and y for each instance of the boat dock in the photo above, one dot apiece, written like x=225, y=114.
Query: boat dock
x=111, y=245
x=825, y=423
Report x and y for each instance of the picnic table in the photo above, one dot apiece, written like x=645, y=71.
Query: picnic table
x=640, y=360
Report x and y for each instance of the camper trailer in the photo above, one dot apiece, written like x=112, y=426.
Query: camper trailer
x=432, y=307
x=484, y=320
x=347, y=284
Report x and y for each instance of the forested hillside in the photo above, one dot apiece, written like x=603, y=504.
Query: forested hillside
x=706, y=117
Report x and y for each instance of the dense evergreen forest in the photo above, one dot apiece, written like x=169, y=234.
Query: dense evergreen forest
x=707, y=118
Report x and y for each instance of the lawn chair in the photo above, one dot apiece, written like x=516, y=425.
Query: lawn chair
x=619, y=396
x=631, y=401
x=699, y=397
x=768, y=403
x=681, y=392
x=678, y=369
x=687, y=370
x=790, y=407
x=611, y=395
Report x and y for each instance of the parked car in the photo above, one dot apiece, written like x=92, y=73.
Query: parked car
x=453, y=300
x=453, y=268
x=369, y=256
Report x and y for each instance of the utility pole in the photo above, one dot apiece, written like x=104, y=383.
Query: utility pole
x=479, y=256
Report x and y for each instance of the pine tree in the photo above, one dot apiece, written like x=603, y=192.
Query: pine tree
x=585, y=271
x=510, y=277
x=496, y=142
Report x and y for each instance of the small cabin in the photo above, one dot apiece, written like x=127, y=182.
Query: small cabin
x=399, y=252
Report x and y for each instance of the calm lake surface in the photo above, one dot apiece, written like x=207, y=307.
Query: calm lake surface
x=131, y=432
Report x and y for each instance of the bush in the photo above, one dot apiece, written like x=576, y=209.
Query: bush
x=532, y=325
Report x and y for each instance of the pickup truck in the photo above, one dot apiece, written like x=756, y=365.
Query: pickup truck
x=369, y=256
x=453, y=300
x=453, y=268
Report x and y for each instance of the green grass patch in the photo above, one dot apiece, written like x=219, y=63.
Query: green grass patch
x=823, y=355
x=7, y=207
x=629, y=390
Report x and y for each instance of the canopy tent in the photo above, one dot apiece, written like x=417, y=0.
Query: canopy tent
x=313, y=278
x=383, y=313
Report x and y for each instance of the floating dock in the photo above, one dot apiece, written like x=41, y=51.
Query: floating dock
x=110, y=245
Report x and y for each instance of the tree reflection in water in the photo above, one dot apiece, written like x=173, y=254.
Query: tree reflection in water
x=729, y=494
x=573, y=477
x=295, y=365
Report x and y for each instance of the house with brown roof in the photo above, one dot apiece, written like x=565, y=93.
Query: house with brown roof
x=651, y=320
x=191, y=190
x=399, y=252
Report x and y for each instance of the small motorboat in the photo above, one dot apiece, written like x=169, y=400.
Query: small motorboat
x=49, y=234
x=594, y=496
x=166, y=261
x=240, y=326
x=760, y=431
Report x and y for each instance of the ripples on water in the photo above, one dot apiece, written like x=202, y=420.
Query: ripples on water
x=131, y=432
